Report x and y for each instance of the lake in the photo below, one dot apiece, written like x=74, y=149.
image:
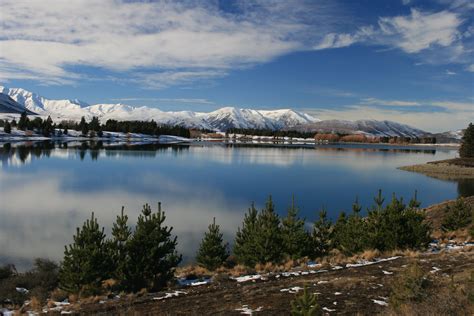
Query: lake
x=47, y=190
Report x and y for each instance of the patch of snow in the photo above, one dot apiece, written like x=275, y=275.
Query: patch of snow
x=6, y=312
x=246, y=278
x=312, y=264
x=292, y=290
x=246, y=310
x=171, y=294
x=22, y=290
x=378, y=302
x=328, y=309
x=435, y=269
x=337, y=293
x=194, y=282
x=322, y=282
x=387, y=272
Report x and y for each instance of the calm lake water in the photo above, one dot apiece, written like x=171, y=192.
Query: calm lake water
x=47, y=191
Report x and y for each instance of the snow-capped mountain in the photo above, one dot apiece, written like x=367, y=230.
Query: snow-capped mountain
x=368, y=127
x=221, y=119
x=8, y=105
x=40, y=105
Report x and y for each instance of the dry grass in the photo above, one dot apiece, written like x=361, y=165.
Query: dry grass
x=73, y=298
x=240, y=270
x=109, y=284
x=192, y=271
x=35, y=304
x=58, y=295
x=142, y=292
x=92, y=299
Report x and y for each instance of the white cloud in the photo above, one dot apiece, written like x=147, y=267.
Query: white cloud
x=374, y=101
x=173, y=100
x=163, y=43
x=333, y=40
x=420, y=30
x=437, y=36
x=450, y=73
x=44, y=38
x=470, y=68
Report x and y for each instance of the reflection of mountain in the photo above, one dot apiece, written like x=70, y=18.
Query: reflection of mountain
x=275, y=155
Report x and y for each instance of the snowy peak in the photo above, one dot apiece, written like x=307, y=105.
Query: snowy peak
x=39, y=104
x=230, y=117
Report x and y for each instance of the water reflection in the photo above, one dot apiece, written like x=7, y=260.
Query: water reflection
x=48, y=189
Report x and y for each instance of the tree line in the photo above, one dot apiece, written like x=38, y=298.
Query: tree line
x=146, y=256
x=92, y=128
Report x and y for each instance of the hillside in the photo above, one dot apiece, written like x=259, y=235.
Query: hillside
x=368, y=127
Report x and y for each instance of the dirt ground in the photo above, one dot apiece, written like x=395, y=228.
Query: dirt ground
x=346, y=291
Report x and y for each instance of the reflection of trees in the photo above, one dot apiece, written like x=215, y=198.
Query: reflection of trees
x=44, y=149
x=465, y=187
x=353, y=148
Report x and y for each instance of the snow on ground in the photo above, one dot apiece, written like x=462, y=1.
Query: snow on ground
x=380, y=302
x=171, y=294
x=292, y=290
x=194, y=282
x=246, y=278
x=246, y=310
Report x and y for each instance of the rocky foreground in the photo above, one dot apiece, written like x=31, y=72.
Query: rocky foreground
x=362, y=289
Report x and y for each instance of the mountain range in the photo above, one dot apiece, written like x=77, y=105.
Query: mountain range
x=17, y=100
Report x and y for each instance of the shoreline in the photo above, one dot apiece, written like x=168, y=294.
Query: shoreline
x=444, y=170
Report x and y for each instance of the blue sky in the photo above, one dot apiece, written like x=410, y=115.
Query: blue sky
x=405, y=60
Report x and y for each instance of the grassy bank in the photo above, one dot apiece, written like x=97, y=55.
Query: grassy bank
x=452, y=169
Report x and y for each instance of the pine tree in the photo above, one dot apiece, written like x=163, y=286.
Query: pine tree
x=65, y=132
x=152, y=252
x=414, y=203
x=294, y=235
x=356, y=207
x=339, y=230
x=458, y=215
x=379, y=200
x=86, y=261
x=212, y=251
x=121, y=234
x=94, y=124
x=83, y=126
x=321, y=236
x=268, y=236
x=244, y=244
x=305, y=304
x=48, y=127
x=23, y=122
x=7, y=128
x=467, y=144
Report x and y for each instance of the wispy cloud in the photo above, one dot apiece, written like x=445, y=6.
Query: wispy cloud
x=171, y=100
x=436, y=36
x=375, y=101
x=180, y=41
x=162, y=43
